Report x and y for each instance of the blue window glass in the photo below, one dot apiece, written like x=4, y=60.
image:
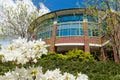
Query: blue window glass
x=93, y=30
x=64, y=30
x=57, y=32
x=46, y=22
x=91, y=18
x=81, y=32
x=89, y=32
x=39, y=35
x=74, y=28
x=67, y=18
x=45, y=32
x=70, y=29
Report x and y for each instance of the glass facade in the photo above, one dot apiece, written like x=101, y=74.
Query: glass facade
x=93, y=30
x=68, y=25
x=67, y=18
x=45, y=33
x=70, y=29
x=91, y=18
x=45, y=29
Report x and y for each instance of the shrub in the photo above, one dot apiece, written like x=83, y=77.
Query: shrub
x=94, y=70
x=71, y=63
x=76, y=54
x=71, y=55
x=5, y=67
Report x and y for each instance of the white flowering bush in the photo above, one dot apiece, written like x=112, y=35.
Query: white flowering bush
x=21, y=51
x=36, y=74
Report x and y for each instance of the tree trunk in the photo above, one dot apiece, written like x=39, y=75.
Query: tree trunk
x=115, y=55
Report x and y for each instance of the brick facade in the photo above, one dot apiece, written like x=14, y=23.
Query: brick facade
x=73, y=39
x=53, y=39
x=86, y=37
x=86, y=41
x=76, y=39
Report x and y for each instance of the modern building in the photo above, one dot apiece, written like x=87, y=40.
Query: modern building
x=66, y=29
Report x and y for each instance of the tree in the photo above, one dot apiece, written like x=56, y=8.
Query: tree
x=16, y=17
x=32, y=30
x=107, y=15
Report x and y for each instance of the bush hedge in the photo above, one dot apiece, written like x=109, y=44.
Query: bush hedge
x=73, y=62
x=95, y=70
x=78, y=61
x=5, y=67
x=74, y=54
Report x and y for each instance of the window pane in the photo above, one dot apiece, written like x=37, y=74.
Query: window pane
x=73, y=29
x=93, y=30
x=45, y=33
x=66, y=18
x=81, y=32
x=70, y=29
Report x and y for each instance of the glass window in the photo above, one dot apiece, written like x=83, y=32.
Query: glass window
x=93, y=30
x=47, y=22
x=74, y=28
x=39, y=35
x=81, y=31
x=65, y=30
x=91, y=18
x=67, y=18
x=70, y=29
x=45, y=33
x=89, y=32
x=45, y=29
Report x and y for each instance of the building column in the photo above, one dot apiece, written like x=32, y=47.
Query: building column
x=53, y=39
x=102, y=55
x=86, y=37
x=115, y=55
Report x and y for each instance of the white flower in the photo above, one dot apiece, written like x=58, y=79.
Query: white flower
x=35, y=60
x=21, y=51
x=82, y=77
x=53, y=75
x=67, y=76
x=27, y=74
x=7, y=74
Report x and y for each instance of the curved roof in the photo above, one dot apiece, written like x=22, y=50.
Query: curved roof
x=65, y=12
x=56, y=14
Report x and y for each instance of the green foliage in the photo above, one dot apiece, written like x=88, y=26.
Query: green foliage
x=76, y=54
x=73, y=63
x=71, y=55
x=117, y=77
x=5, y=67
x=95, y=70
x=78, y=61
x=1, y=57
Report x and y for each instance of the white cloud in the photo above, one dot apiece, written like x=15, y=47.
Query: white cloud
x=43, y=9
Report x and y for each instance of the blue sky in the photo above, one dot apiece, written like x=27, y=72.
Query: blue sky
x=60, y=4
